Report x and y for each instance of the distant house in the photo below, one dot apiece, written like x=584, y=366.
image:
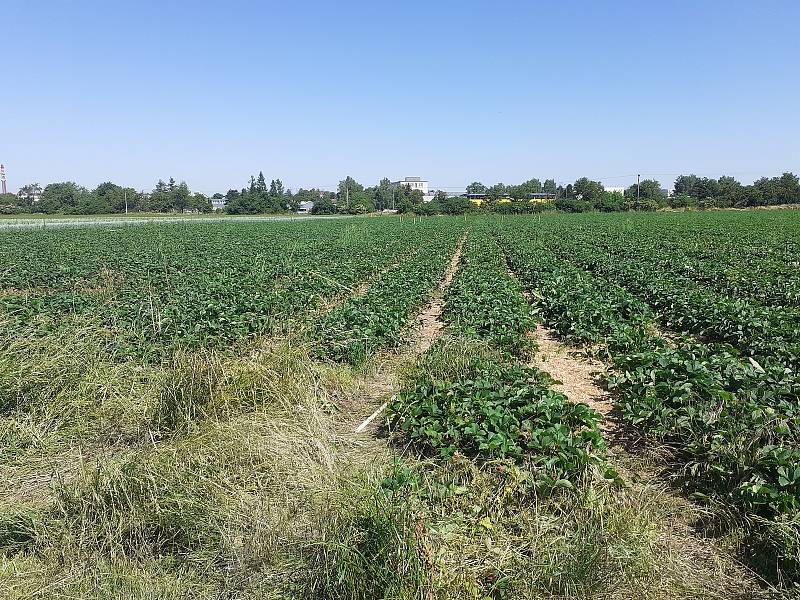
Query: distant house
x=305, y=207
x=218, y=203
x=415, y=183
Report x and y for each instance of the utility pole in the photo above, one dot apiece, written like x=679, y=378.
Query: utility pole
x=637, y=189
x=125, y=193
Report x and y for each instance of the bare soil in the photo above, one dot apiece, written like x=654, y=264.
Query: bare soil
x=578, y=377
x=380, y=385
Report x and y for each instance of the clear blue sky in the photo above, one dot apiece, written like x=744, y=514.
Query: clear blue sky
x=452, y=91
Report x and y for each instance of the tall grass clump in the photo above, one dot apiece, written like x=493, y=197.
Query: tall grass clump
x=372, y=547
x=189, y=385
x=58, y=388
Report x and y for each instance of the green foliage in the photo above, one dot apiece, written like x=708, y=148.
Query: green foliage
x=189, y=386
x=476, y=187
x=257, y=198
x=324, y=206
x=375, y=551
x=354, y=330
x=501, y=411
x=161, y=287
x=485, y=302
x=646, y=196
x=726, y=191
x=734, y=421
x=727, y=410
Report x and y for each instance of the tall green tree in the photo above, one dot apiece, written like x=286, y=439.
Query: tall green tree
x=29, y=194
x=650, y=196
x=60, y=197
x=588, y=191
x=497, y=191
x=476, y=187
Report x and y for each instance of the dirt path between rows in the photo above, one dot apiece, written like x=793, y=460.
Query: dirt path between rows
x=579, y=377
x=380, y=385
x=639, y=465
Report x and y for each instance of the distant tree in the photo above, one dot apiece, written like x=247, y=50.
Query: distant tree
x=159, y=199
x=549, y=186
x=60, y=197
x=199, y=202
x=649, y=191
x=457, y=205
x=788, y=188
x=260, y=184
x=179, y=197
x=685, y=184
x=731, y=192
x=476, y=187
x=588, y=191
x=682, y=200
x=360, y=203
x=218, y=196
x=525, y=189
x=115, y=197
x=352, y=198
x=91, y=204
x=10, y=203
x=440, y=197
x=573, y=205
x=408, y=200
x=763, y=192
x=29, y=194
x=383, y=195
x=324, y=206
x=611, y=202
x=706, y=187
x=276, y=188
x=347, y=186
x=497, y=191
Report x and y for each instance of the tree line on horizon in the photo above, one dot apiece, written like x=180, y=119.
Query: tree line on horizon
x=351, y=197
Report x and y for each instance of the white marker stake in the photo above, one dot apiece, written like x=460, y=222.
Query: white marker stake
x=369, y=420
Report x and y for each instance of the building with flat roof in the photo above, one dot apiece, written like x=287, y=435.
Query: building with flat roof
x=415, y=183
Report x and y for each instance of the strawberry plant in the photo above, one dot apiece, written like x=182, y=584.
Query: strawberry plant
x=501, y=411
x=484, y=301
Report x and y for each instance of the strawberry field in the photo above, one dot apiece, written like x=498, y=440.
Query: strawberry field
x=203, y=374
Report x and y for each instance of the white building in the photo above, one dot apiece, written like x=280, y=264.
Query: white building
x=415, y=183
x=305, y=207
x=218, y=203
x=621, y=190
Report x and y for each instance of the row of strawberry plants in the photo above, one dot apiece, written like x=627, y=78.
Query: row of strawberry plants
x=748, y=256
x=581, y=308
x=688, y=307
x=158, y=287
x=354, y=330
x=491, y=406
x=499, y=410
x=484, y=301
x=733, y=422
